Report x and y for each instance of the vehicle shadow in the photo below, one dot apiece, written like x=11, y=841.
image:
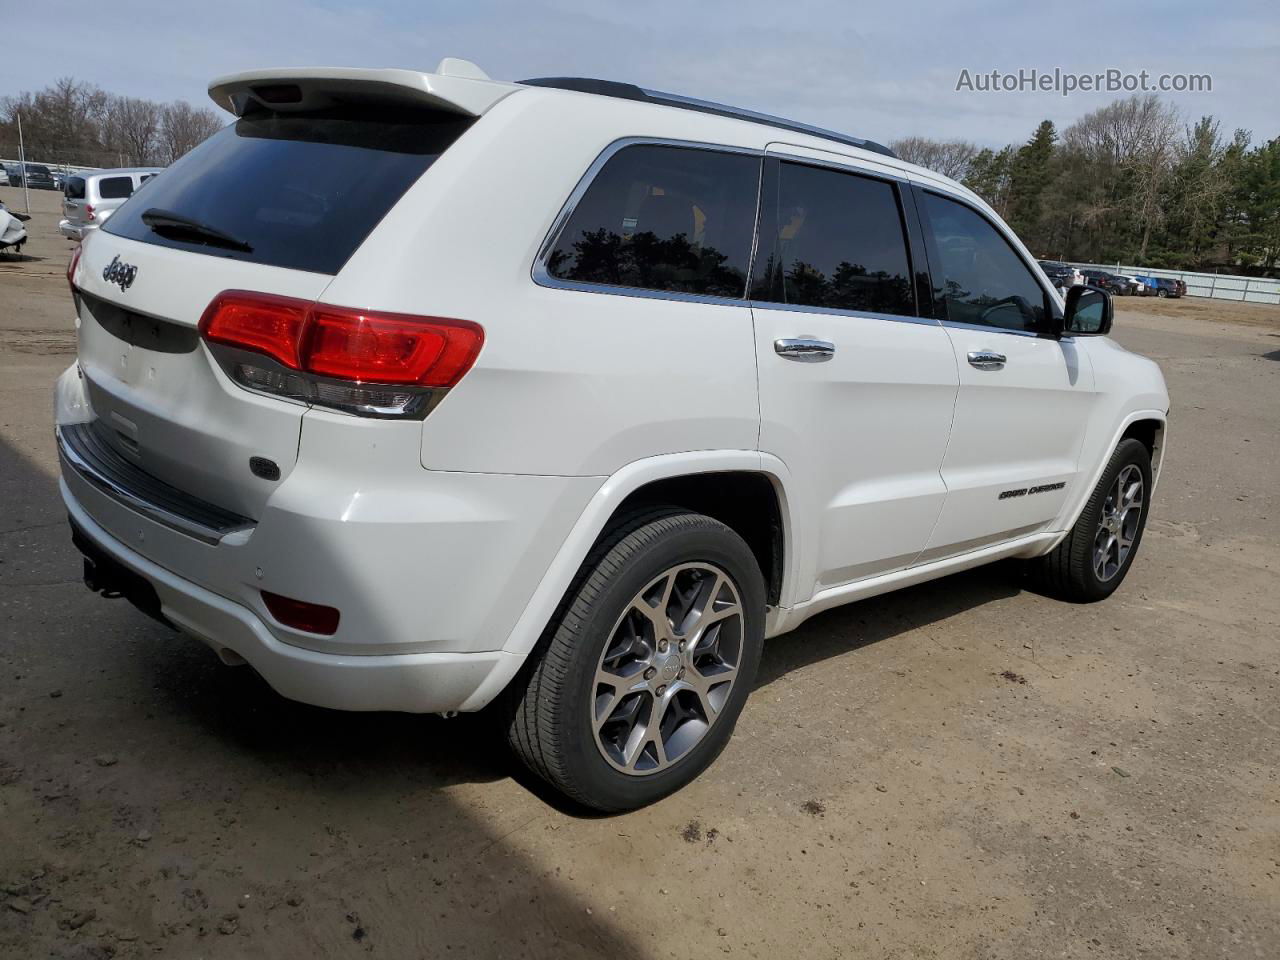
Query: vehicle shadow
x=1273, y=355
x=331, y=831
x=861, y=624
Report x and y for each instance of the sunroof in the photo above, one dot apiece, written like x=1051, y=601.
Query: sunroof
x=629, y=91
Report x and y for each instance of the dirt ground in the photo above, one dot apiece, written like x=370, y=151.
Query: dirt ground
x=961, y=770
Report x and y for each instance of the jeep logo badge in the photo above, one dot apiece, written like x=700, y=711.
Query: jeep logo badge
x=119, y=272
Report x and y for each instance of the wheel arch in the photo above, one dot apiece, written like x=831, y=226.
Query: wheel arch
x=730, y=486
x=1150, y=427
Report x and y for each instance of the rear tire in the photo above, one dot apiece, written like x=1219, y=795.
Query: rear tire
x=639, y=678
x=1096, y=554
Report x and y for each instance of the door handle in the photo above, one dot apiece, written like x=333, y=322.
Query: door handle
x=804, y=349
x=986, y=360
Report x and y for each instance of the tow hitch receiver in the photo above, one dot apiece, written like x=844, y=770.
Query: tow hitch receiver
x=105, y=575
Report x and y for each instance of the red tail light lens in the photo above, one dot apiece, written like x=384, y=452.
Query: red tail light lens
x=258, y=322
x=390, y=348
x=88, y=211
x=71, y=267
x=343, y=343
x=301, y=615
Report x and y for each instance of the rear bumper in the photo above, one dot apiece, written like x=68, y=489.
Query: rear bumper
x=72, y=231
x=414, y=683
x=431, y=571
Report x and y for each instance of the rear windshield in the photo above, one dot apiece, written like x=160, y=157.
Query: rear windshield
x=299, y=190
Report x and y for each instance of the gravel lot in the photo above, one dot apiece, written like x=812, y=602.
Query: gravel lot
x=961, y=770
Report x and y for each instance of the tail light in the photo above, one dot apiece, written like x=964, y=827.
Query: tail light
x=71, y=268
x=372, y=364
x=88, y=211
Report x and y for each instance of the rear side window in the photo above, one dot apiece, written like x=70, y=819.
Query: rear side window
x=835, y=240
x=984, y=281
x=115, y=188
x=299, y=190
x=663, y=218
x=73, y=189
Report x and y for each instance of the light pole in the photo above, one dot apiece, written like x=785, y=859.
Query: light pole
x=22, y=162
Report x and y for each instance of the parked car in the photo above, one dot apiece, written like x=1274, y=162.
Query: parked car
x=1062, y=275
x=1148, y=286
x=4, y=175
x=1109, y=282
x=88, y=199
x=1170, y=287
x=37, y=176
x=579, y=459
x=1131, y=284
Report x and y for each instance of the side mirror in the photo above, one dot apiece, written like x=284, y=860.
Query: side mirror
x=1088, y=312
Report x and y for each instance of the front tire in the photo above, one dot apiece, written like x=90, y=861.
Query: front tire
x=639, y=679
x=1095, y=556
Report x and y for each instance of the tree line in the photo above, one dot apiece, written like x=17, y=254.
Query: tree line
x=79, y=124
x=1130, y=183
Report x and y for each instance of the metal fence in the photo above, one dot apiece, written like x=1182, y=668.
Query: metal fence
x=1217, y=286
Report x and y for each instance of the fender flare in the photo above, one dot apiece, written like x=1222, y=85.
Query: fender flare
x=607, y=498
x=1070, y=515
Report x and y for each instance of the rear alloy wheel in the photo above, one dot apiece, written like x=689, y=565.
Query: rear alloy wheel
x=1162, y=292
x=637, y=683
x=1096, y=554
x=668, y=668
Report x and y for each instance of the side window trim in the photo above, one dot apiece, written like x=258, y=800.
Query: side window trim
x=543, y=277
x=917, y=261
x=1050, y=307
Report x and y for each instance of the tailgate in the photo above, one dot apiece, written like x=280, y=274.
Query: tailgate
x=161, y=400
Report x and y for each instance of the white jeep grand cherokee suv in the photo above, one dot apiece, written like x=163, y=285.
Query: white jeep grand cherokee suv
x=423, y=391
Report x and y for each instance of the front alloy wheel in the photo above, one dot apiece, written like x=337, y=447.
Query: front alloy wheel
x=1118, y=523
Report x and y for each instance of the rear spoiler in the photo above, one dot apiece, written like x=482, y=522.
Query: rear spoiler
x=457, y=87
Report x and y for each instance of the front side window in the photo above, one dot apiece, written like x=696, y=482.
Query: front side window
x=115, y=188
x=665, y=218
x=983, y=280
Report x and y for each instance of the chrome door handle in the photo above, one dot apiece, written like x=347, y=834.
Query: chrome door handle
x=986, y=360
x=804, y=349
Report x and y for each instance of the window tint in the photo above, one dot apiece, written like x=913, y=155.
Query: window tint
x=115, y=188
x=302, y=190
x=663, y=218
x=984, y=281
x=73, y=188
x=834, y=240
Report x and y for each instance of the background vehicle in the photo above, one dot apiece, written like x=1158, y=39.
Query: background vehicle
x=1147, y=286
x=4, y=175
x=90, y=198
x=583, y=459
x=1060, y=274
x=37, y=176
x=1170, y=287
x=1111, y=283
x=1132, y=285
x=13, y=229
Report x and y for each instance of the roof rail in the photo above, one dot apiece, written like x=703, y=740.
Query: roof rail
x=629, y=91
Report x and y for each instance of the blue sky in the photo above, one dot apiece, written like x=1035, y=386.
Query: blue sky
x=875, y=69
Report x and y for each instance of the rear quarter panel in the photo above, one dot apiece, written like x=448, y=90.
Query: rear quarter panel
x=568, y=382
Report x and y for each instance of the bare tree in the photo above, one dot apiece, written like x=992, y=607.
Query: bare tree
x=951, y=158
x=183, y=127
x=131, y=128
